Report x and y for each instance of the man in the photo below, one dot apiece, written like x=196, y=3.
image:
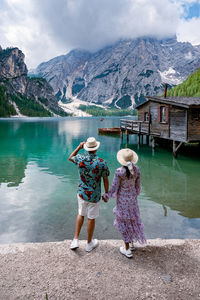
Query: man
x=91, y=169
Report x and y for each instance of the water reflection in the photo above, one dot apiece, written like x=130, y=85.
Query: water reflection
x=12, y=170
x=170, y=182
x=38, y=185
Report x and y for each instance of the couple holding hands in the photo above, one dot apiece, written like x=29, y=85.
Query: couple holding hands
x=125, y=188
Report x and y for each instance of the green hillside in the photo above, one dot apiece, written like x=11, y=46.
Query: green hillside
x=188, y=88
x=29, y=107
x=99, y=111
x=6, y=109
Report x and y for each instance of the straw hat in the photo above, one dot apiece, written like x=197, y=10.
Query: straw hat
x=91, y=144
x=127, y=155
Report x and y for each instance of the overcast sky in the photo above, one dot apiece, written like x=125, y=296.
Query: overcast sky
x=43, y=29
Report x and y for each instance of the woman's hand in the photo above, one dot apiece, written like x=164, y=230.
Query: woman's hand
x=104, y=198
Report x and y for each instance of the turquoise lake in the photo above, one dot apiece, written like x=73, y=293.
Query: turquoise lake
x=38, y=184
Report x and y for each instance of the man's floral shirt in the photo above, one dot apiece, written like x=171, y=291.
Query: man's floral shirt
x=91, y=169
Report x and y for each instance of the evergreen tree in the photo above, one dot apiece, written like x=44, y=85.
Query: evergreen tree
x=188, y=88
x=6, y=109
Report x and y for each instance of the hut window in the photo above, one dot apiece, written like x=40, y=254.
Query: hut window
x=195, y=114
x=163, y=114
x=146, y=116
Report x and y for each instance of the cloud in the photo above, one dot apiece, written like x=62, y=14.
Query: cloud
x=45, y=29
x=92, y=24
x=20, y=27
x=188, y=31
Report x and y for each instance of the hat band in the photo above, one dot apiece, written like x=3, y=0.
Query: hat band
x=91, y=146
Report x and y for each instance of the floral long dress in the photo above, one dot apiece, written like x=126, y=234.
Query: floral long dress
x=127, y=214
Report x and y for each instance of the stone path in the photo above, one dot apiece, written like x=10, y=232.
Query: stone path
x=164, y=269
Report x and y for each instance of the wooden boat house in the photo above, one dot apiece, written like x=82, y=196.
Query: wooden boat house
x=171, y=118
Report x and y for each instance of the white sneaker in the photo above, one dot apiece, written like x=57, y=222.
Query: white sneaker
x=131, y=247
x=74, y=244
x=125, y=252
x=93, y=244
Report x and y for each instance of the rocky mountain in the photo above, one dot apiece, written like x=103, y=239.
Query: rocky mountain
x=20, y=94
x=121, y=74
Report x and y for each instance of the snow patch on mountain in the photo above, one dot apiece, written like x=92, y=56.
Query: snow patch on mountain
x=73, y=108
x=171, y=76
x=188, y=55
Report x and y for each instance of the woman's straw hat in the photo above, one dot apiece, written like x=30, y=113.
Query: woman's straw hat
x=91, y=144
x=127, y=155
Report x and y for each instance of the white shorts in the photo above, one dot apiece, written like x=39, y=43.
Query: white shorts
x=88, y=208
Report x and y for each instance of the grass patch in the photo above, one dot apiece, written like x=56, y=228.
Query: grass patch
x=98, y=111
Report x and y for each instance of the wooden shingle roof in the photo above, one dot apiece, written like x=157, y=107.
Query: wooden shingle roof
x=175, y=101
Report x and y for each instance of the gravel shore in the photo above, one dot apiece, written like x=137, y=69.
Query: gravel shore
x=164, y=269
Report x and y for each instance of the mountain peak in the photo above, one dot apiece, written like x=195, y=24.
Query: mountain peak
x=12, y=63
x=78, y=52
x=123, y=73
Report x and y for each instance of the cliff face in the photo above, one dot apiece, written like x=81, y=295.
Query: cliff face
x=14, y=77
x=61, y=71
x=12, y=63
x=123, y=73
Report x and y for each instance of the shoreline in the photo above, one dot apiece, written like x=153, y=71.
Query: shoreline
x=163, y=269
x=22, y=247
x=60, y=117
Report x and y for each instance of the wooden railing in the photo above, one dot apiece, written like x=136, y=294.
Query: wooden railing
x=135, y=126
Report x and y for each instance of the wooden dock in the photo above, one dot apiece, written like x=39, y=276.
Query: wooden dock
x=136, y=127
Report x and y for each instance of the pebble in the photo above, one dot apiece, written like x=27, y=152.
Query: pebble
x=98, y=274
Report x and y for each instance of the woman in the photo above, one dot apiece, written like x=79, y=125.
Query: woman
x=125, y=188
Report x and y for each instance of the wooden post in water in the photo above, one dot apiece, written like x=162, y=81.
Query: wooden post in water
x=138, y=139
x=147, y=139
x=127, y=136
x=176, y=146
x=121, y=134
x=153, y=143
x=174, y=149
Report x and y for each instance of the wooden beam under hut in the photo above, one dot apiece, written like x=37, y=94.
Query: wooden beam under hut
x=127, y=135
x=176, y=147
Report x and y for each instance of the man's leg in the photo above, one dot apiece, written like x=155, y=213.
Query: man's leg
x=90, y=229
x=79, y=224
x=93, y=213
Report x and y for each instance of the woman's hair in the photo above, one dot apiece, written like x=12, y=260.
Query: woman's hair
x=127, y=172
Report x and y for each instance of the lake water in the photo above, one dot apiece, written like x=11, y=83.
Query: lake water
x=38, y=184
